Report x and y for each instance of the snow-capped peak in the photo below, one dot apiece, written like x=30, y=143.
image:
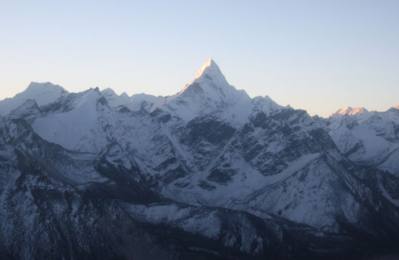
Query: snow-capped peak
x=108, y=92
x=209, y=68
x=114, y=99
x=42, y=93
x=210, y=71
x=37, y=86
x=210, y=82
x=208, y=93
x=350, y=111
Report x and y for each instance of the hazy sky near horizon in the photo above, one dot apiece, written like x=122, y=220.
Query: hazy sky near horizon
x=311, y=54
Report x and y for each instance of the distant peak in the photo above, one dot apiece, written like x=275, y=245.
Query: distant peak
x=40, y=85
x=124, y=95
x=108, y=92
x=350, y=111
x=92, y=91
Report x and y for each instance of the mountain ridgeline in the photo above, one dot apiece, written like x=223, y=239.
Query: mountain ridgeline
x=208, y=173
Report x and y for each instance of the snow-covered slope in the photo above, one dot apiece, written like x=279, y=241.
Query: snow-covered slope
x=284, y=163
x=369, y=138
x=42, y=93
x=208, y=163
x=78, y=123
x=50, y=198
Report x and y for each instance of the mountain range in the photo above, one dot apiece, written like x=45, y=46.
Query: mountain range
x=208, y=173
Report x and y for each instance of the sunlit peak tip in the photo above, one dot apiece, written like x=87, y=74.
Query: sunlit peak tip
x=209, y=62
x=208, y=65
x=351, y=111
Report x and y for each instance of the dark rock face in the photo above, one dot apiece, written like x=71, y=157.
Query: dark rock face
x=204, y=137
x=281, y=138
x=209, y=130
x=220, y=176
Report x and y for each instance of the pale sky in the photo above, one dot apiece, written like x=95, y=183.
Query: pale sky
x=317, y=55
